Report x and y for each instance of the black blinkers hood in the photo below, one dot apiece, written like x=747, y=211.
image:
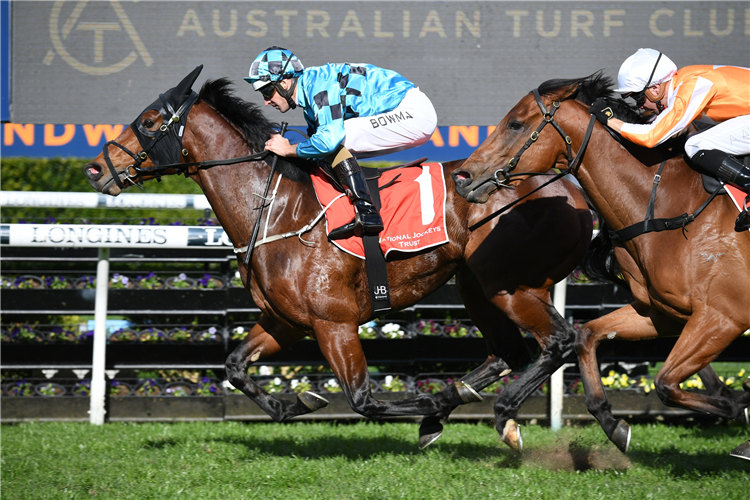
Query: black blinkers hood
x=165, y=146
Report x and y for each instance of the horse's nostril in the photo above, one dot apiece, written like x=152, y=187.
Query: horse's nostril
x=461, y=177
x=92, y=171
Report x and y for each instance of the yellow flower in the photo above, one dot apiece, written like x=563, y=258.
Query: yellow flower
x=741, y=373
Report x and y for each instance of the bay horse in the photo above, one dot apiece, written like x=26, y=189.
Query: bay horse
x=693, y=282
x=310, y=288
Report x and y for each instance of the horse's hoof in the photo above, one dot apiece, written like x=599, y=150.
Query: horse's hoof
x=426, y=440
x=467, y=393
x=512, y=436
x=744, y=418
x=742, y=451
x=430, y=430
x=621, y=436
x=312, y=400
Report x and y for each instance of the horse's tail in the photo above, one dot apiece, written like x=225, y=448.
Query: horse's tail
x=599, y=263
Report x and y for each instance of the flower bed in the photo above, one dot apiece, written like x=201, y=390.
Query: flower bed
x=391, y=330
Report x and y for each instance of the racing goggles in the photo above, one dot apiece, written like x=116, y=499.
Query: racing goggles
x=267, y=91
x=638, y=97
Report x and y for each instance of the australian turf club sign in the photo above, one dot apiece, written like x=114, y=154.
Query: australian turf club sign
x=96, y=236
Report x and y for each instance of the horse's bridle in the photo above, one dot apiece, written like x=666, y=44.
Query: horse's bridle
x=161, y=153
x=548, y=117
x=165, y=155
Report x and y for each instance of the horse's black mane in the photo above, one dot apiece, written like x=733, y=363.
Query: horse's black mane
x=590, y=88
x=247, y=117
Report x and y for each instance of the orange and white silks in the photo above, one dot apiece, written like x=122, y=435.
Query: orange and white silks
x=717, y=92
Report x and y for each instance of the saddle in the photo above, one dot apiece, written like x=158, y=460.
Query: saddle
x=411, y=200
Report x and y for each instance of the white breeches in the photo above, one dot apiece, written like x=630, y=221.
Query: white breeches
x=410, y=125
x=731, y=136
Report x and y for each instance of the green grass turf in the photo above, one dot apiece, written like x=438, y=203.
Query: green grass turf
x=233, y=460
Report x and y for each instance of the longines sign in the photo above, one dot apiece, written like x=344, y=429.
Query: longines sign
x=103, y=62
x=96, y=236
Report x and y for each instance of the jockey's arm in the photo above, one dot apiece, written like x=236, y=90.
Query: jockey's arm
x=615, y=124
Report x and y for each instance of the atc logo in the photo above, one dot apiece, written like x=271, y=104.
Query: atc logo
x=82, y=28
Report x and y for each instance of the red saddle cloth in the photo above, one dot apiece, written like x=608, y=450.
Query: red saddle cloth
x=737, y=195
x=412, y=208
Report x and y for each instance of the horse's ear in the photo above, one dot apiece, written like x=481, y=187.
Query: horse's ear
x=568, y=92
x=186, y=85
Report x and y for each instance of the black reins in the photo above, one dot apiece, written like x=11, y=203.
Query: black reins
x=180, y=167
x=506, y=172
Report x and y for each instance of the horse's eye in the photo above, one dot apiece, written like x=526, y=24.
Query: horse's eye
x=148, y=123
x=514, y=125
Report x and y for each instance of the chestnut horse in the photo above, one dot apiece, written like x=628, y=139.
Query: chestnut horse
x=693, y=282
x=307, y=287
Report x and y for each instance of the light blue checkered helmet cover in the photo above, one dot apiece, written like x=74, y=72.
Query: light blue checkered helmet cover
x=272, y=65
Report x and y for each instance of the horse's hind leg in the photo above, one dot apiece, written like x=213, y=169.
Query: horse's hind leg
x=532, y=310
x=692, y=353
x=265, y=339
x=715, y=387
x=713, y=383
x=339, y=343
x=626, y=324
x=500, y=334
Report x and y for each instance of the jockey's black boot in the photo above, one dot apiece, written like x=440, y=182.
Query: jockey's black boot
x=732, y=171
x=367, y=220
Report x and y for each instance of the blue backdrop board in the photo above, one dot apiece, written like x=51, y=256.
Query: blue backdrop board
x=86, y=141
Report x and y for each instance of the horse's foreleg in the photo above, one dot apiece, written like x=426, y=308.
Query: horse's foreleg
x=501, y=337
x=431, y=427
x=265, y=339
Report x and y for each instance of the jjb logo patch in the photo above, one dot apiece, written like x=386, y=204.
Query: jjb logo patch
x=380, y=292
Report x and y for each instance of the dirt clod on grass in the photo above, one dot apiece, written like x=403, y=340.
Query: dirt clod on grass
x=566, y=455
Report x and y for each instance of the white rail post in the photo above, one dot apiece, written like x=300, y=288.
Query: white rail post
x=98, y=383
x=556, y=380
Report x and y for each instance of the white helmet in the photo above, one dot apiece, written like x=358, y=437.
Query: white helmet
x=643, y=69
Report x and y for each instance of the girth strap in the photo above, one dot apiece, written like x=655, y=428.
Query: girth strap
x=650, y=224
x=377, y=272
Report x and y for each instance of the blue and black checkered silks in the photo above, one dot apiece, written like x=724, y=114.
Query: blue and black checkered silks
x=270, y=64
x=333, y=93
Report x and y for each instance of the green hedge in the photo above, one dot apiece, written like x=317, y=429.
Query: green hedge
x=66, y=175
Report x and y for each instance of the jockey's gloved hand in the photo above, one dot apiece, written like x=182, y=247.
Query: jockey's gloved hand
x=601, y=110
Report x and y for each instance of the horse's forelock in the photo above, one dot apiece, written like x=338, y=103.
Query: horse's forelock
x=248, y=117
